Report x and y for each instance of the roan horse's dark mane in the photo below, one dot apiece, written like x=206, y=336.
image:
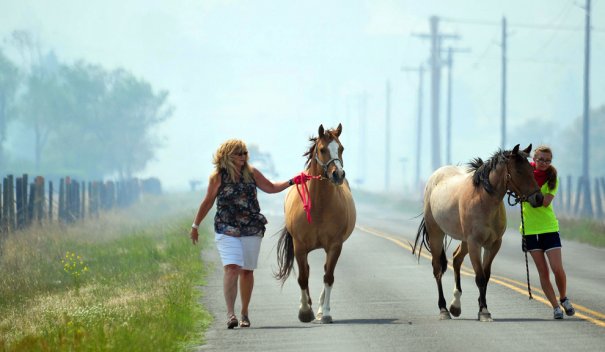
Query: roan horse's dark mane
x=482, y=169
x=310, y=154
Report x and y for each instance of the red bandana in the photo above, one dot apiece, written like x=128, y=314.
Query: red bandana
x=540, y=176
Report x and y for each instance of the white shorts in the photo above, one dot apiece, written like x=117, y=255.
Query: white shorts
x=241, y=251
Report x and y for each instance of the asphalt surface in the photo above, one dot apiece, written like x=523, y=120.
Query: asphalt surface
x=385, y=299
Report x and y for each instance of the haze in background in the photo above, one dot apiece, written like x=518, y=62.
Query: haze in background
x=269, y=72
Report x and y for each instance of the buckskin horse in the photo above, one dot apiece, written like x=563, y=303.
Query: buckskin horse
x=468, y=206
x=327, y=224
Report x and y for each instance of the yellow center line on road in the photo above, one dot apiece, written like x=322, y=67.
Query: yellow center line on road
x=582, y=312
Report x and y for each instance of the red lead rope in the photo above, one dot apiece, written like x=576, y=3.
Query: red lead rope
x=305, y=197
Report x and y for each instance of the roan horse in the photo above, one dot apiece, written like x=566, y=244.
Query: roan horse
x=468, y=206
x=333, y=220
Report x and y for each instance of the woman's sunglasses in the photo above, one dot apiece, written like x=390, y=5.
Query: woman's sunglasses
x=241, y=154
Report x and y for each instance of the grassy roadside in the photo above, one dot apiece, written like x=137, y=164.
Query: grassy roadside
x=581, y=230
x=126, y=281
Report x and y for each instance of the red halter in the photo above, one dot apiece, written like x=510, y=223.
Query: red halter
x=304, y=194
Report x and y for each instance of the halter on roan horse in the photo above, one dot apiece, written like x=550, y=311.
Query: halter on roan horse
x=468, y=206
x=333, y=215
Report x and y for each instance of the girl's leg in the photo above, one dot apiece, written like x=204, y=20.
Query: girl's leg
x=542, y=266
x=556, y=265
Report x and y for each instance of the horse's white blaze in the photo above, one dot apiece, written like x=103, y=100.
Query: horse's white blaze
x=324, y=302
x=304, y=301
x=456, y=300
x=333, y=148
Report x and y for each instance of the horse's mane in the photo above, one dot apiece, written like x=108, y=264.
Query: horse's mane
x=310, y=154
x=482, y=169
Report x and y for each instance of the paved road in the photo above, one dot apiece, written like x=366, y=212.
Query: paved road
x=385, y=299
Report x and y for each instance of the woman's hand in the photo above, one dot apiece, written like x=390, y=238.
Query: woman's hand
x=194, y=235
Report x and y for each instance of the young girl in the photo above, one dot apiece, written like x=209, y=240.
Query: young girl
x=541, y=234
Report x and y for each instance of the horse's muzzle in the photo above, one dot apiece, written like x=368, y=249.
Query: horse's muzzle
x=337, y=176
x=536, y=199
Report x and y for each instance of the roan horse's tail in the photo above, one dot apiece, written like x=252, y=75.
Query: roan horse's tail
x=424, y=242
x=285, y=256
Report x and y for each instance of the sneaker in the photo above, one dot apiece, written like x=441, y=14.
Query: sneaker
x=558, y=313
x=569, y=310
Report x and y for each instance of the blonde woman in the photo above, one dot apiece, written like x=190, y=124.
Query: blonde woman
x=541, y=234
x=238, y=223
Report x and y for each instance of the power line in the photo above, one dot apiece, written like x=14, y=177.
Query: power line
x=518, y=25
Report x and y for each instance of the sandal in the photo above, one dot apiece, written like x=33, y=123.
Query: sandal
x=232, y=321
x=245, y=322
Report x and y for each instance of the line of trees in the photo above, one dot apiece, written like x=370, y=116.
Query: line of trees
x=79, y=119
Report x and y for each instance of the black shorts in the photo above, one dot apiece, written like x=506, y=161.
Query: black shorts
x=542, y=242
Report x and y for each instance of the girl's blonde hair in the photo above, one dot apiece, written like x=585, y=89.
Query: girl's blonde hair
x=222, y=160
x=551, y=172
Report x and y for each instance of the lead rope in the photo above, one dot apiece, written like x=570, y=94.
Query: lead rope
x=305, y=197
x=524, y=245
x=523, y=241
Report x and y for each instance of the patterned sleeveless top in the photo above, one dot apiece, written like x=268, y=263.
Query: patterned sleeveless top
x=237, y=210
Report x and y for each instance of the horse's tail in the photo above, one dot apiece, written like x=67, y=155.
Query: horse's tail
x=423, y=242
x=285, y=256
x=420, y=242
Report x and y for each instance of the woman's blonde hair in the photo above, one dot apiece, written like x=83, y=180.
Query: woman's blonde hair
x=222, y=160
x=551, y=172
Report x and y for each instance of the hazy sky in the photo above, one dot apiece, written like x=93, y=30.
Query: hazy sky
x=269, y=72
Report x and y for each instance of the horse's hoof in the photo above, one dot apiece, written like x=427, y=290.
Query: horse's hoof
x=306, y=316
x=455, y=311
x=324, y=319
x=485, y=317
x=445, y=315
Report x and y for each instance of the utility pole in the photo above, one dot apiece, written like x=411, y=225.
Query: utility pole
x=587, y=208
x=420, y=71
x=363, y=100
x=503, y=96
x=387, y=168
x=436, y=64
x=448, y=125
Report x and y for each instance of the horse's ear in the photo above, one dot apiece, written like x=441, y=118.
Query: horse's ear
x=320, y=132
x=528, y=149
x=516, y=150
x=338, y=130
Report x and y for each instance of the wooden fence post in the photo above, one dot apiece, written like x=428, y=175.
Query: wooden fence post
x=38, y=202
x=24, y=199
x=578, y=194
x=598, y=204
x=50, y=200
x=62, y=200
x=83, y=200
x=569, y=195
x=30, y=204
x=1, y=210
x=19, y=203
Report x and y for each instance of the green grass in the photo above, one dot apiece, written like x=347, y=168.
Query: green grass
x=139, y=291
x=583, y=230
x=587, y=231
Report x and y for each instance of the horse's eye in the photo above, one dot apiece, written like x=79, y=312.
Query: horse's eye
x=323, y=150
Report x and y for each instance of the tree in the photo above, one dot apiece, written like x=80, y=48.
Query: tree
x=133, y=109
x=9, y=82
x=111, y=119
